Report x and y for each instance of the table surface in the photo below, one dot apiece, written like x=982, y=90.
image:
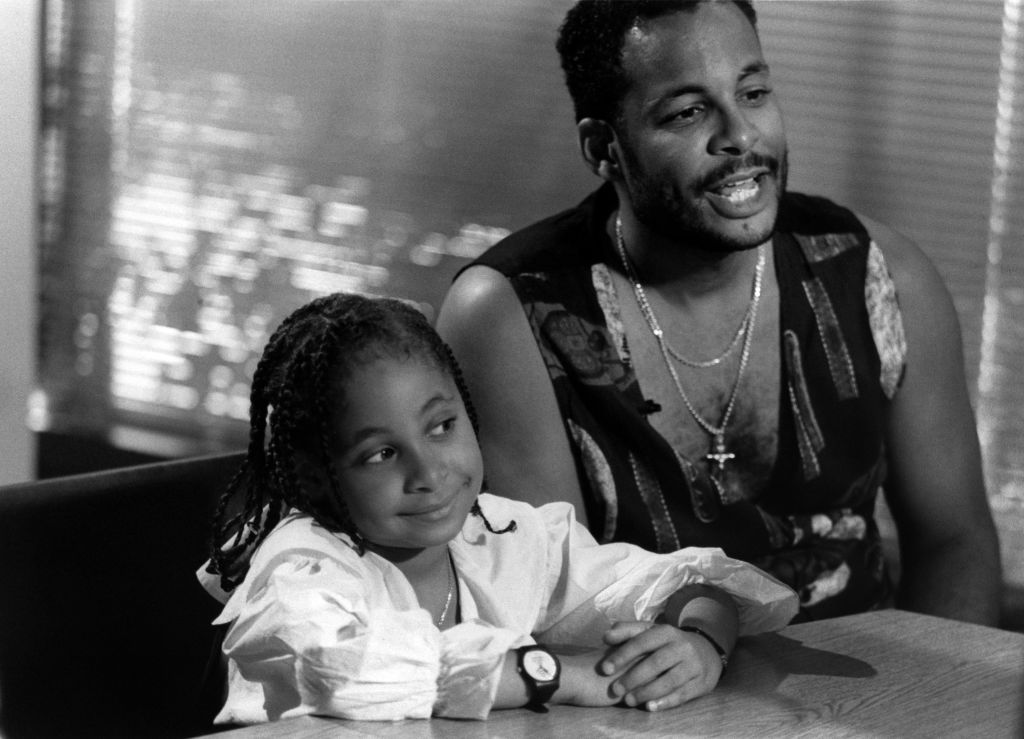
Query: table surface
x=882, y=674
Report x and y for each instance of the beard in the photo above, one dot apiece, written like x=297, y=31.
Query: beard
x=658, y=205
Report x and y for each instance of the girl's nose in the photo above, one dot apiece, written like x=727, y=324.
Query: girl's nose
x=426, y=472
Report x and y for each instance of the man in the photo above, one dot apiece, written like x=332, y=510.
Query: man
x=693, y=356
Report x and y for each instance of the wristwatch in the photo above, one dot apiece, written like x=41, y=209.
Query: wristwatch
x=541, y=671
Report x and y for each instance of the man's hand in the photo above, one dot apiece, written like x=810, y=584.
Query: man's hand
x=657, y=666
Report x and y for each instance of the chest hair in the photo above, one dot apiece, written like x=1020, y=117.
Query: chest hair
x=752, y=431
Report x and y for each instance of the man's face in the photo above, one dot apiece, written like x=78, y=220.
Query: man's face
x=703, y=144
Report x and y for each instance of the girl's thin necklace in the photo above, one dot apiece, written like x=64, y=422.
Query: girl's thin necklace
x=451, y=591
x=718, y=455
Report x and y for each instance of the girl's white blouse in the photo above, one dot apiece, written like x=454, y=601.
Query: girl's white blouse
x=317, y=629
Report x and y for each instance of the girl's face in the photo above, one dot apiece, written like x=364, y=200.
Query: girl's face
x=407, y=458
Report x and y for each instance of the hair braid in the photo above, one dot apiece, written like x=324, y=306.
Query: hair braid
x=463, y=388
x=321, y=365
x=284, y=474
x=478, y=512
x=228, y=557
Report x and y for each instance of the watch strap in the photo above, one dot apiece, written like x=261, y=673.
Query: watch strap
x=722, y=655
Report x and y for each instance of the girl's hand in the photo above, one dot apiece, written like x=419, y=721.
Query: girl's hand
x=661, y=667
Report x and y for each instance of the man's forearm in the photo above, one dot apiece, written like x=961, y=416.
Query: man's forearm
x=705, y=607
x=962, y=581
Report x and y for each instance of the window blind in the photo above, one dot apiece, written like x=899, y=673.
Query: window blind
x=1001, y=394
x=890, y=110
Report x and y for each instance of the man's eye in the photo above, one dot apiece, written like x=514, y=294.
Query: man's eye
x=380, y=456
x=687, y=114
x=756, y=97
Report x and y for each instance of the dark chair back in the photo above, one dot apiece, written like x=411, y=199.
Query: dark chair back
x=104, y=630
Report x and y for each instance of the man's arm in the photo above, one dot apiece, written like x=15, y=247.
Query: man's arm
x=525, y=449
x=949, y=549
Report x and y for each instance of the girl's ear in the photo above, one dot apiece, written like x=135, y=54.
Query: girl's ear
x=599, y=146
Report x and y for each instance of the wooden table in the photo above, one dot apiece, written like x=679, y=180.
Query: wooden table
x=882, y=674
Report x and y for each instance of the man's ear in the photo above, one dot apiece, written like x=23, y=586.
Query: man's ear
x=600, y=148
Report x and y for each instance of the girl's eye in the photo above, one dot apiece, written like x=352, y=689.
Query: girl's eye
x=443, y=428
x=380, y=456
x=756, y=97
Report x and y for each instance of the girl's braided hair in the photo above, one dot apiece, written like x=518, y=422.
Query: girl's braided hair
x=297, y=386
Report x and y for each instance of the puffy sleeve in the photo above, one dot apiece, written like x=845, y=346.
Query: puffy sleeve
x=313, y=634
x=592, y=586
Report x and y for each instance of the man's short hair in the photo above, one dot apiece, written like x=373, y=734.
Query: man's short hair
x=590, y=43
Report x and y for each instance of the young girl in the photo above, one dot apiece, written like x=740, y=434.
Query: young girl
x=366, y=576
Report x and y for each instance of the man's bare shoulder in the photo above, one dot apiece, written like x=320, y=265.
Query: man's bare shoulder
x=480, y=298
x=908, y=263
x=479, y=286
x=522, y=436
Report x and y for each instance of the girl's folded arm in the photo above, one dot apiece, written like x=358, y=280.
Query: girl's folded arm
x=317, y=640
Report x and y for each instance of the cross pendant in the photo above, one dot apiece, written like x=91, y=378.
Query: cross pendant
x=719, y=456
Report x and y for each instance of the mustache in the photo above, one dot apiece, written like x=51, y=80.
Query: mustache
x=749, y=160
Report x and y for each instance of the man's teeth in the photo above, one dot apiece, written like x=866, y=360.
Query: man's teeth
x=739, y=192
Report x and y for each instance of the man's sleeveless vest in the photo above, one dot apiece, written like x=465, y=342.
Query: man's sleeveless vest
x=842, y=359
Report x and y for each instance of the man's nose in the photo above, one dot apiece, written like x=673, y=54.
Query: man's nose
x=735, y=135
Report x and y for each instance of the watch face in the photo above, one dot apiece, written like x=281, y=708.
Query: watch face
x=540, y=665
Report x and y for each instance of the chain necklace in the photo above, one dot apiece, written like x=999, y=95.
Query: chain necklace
x=652, y=321
x=704, y=364
x=451, y=591
x=718, y=455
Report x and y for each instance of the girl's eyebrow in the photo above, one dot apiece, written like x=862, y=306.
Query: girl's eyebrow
x=438, y=399
x=368, y=432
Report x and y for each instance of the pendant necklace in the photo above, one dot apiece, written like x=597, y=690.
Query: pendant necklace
x=451, y=591
x=719, y=454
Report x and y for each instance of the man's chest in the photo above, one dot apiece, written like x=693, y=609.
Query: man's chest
x=724, y=417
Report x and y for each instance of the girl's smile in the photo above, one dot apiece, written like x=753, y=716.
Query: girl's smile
x=436, y=511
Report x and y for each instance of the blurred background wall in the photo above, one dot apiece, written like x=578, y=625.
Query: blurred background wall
x=207, y=165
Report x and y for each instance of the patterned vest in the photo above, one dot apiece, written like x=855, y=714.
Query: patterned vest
x=843, y=354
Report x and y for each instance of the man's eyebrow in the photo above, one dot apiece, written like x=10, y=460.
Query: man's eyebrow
x=652, y=105
x=758, y=67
